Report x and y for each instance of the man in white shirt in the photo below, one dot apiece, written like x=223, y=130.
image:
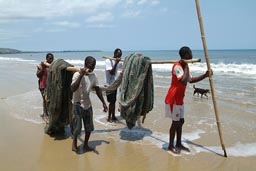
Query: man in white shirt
x=110, y=76
x=82, y=83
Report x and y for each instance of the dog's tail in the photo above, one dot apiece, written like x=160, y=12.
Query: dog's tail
x=194, y=86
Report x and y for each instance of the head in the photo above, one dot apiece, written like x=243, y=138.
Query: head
x=49, y=58
x=185, y=53
x=117, y=53
x=90, y=62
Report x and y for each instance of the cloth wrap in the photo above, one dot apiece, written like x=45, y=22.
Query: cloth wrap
x=136, y=88
x=59, y=96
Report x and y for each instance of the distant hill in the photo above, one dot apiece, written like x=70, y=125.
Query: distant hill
x=8, y=51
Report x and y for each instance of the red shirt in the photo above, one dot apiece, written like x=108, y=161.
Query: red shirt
x=43, y=78
x=177, y=90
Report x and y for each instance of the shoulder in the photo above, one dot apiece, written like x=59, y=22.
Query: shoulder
x=107, y=61
x=93, y=76
x=177, y=66
x=178, y=70
x=76, y=75
x=39, y=66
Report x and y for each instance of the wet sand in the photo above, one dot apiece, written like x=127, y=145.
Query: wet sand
x=24, y=146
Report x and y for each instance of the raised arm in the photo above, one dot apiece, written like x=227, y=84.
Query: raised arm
x=74, y=85
x=113, y=70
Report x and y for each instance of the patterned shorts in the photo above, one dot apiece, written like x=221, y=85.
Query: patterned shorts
x=176, y=113
x=80, y=114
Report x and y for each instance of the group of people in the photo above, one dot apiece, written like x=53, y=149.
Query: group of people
x=83, y=82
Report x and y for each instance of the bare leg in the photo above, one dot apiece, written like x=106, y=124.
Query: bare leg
x=113, y=112
x=110, y=108
x=171, y=137
x=44, y=109
x=179, y=133
x=86, y=140
x=74, y=144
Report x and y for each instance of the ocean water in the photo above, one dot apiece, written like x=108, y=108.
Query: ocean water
x=234, y=81
x=234, y=70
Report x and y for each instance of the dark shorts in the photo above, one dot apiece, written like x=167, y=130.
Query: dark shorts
x=112, y=97
x=80, y=114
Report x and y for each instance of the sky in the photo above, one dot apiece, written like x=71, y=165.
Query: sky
x=53, y=25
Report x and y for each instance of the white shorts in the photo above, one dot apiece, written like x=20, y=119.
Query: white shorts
x=176, y=113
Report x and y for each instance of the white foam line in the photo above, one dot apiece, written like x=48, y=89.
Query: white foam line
x=161, y=140
x=98, y=119
x=34, y=121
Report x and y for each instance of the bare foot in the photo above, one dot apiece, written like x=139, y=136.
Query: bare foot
x=174, y=150
x=74, y=148
x=182, y=147
x=87, y=148
x=74, y=144
x=114, y=119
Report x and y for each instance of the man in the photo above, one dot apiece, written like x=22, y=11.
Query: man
x=41, y=73
x=82, y=83
x=110, y=76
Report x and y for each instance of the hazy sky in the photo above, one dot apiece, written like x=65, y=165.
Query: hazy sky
x=127, y=24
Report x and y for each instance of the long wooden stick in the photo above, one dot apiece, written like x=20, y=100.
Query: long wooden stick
x=210, y=75
x=72, y=69
x=160, y=61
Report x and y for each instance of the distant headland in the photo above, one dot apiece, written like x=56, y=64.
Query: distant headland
x=8, y=51
x=12, y=51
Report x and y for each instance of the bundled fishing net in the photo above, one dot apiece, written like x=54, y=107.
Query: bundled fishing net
x=136, y=88
x=59, y=96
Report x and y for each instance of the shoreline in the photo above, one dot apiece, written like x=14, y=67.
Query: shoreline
x=25, y=146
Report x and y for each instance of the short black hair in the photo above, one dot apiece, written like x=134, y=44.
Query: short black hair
x=184, y=51
x=49, y=55
x=116, y=51
x=89, y=58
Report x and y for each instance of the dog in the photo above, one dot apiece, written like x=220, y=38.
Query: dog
x=201, y=91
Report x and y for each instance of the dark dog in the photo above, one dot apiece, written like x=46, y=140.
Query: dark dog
x=201, y=91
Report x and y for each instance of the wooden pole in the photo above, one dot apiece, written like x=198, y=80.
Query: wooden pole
x=72, y=69
x=160, y=61
x=210, y=75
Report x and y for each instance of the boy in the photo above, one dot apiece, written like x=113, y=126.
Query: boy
x=174, y=107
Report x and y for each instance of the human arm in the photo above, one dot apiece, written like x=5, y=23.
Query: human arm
x=201, y=77
x=74, y=85
x=99, y=94
x=113, y=70
x=40, y=69
x=186, y=76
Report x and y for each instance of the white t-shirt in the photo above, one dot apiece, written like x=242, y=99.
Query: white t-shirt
x=109, y=64
x=81, y=95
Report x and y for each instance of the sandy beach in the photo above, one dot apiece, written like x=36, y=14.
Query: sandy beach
x=24, y=146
